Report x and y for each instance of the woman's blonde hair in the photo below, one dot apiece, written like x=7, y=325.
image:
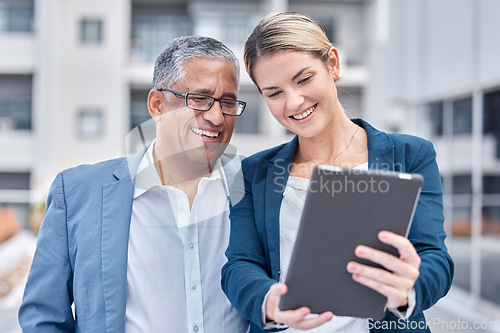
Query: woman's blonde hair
x=285, y=31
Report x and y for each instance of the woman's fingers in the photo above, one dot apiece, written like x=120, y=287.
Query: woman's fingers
x=405, y=248
x=296, y=318
x=394, y=264
x=293, y=318
x=393, y=286
x=273, y=299
x=406, y=265
x=402, y=273
x=381, y=276
x=395, y=296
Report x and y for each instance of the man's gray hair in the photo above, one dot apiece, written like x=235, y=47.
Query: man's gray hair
x=169, y=69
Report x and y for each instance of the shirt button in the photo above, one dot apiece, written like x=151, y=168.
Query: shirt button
x=195, y=328
x=191, y=245
x=193, y=286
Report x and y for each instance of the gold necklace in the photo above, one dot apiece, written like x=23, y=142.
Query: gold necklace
x=336, y=156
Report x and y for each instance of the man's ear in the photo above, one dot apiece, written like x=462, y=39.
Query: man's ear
x=155, y=103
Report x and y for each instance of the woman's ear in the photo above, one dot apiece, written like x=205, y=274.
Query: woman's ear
x=334, y=63
x=155, y=103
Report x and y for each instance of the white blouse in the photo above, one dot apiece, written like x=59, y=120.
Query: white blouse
x=290, y=214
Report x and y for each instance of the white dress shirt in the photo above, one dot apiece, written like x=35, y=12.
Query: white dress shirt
x=175, y=256
x=290, y=214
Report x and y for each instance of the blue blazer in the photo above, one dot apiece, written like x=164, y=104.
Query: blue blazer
x=82, y=249
x=253, y=252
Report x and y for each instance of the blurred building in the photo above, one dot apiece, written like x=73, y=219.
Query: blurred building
x=435, y=73
x=74, y=77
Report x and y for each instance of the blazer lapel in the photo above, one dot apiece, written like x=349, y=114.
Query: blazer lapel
x=116, y=213
x=380, y=148
x=278, y=172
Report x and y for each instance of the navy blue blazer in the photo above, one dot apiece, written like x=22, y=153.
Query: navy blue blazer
x=253, y=252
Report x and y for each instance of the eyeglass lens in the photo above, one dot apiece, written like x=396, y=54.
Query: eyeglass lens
x=204, y=103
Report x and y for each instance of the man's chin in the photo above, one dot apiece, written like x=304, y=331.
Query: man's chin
x=207, y=153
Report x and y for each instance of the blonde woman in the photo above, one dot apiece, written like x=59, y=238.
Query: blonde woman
x=295, y=67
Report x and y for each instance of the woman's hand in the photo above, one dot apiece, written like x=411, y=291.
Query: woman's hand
x=403, y=271
x=292, y=318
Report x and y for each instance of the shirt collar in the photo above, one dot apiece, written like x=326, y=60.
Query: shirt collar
x=147, y=175
x=218, y=173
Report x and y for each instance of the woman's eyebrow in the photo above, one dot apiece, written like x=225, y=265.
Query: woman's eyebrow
x=299, y=73
x=270, y=88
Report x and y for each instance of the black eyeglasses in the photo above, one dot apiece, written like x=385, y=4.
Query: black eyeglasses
x=231, y=107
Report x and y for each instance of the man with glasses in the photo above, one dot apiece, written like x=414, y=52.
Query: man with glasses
x=137, y=244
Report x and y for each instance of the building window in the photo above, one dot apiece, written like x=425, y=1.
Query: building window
x=435, y=111
x=15, y=113
x=16, y=16
x=462, y=116
x=491, y=117
x=248, y=122
x=328, y=24
x=491, y=220
x=462, y=184
x=90, y=124
x=491, y=184
x=91, y=31
x=462, y=220
x=154, y=26
x=235, y=27
x=15, y=102
x=14, y=193
x=14, y=180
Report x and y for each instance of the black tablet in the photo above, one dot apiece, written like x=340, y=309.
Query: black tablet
x=345, y=208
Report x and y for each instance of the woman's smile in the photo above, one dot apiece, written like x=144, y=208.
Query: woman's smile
x=305, y=114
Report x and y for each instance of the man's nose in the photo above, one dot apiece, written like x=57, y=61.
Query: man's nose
x=214, y=115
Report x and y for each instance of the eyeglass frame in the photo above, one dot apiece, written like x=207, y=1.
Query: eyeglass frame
x=184, y=95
